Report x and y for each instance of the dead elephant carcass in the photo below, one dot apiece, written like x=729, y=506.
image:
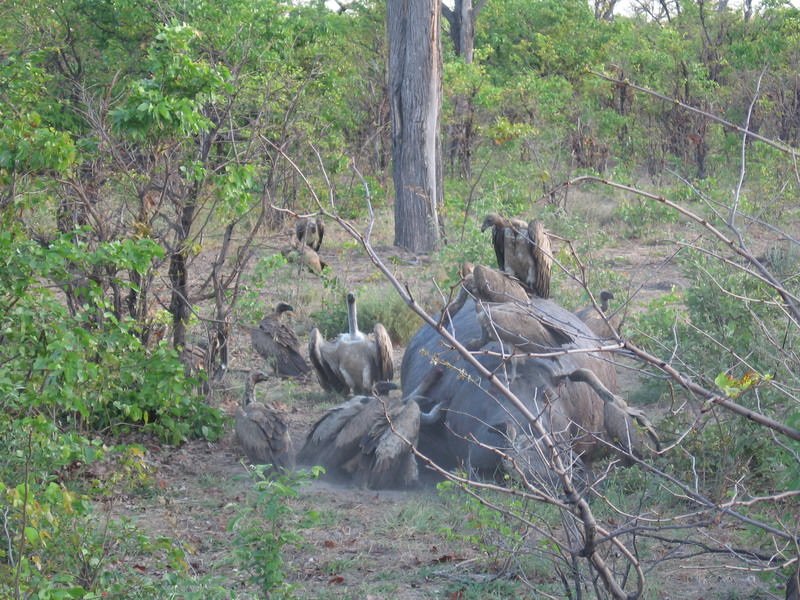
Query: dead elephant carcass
x=570, y=394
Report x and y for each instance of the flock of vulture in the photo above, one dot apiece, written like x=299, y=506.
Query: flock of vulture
x=550, y=358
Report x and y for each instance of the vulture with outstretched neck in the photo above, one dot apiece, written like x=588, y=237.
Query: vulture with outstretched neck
x=262, y=430
x=278, y=344
x=354, y=361
x=523, y=250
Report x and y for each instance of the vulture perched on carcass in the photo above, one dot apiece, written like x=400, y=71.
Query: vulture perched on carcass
x=488, y=285
x=369, y=437
x=523, y=250
x=262, y=430
x=620, y=419
x=521, y=327
x=602, y=325
x=278, y=344
x=310, y=231
x=354, y=361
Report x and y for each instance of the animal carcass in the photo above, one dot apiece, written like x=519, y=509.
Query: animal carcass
x=484, y=432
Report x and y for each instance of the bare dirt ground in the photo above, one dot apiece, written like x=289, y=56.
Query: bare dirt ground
x=366, y=544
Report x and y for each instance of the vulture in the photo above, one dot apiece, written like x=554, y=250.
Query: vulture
x=304, y=255
x=488, y=285
x=353, y=361
x=194, y=358
x=523, y=327
x=262, y=430
x=368, y=436
x=600, y=324
x=624, y=424
x=278, y=344
x=310, y=232
x=522, y=250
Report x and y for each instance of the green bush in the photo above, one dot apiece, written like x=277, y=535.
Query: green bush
x=719, y=331
x=265, y=525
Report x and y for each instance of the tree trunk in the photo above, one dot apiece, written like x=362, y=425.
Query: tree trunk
x=415, y=95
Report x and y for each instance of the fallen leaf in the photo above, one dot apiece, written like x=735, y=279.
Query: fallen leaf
x=329, y=544
x=337, y=579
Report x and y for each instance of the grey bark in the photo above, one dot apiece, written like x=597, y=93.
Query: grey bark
x=415, y=95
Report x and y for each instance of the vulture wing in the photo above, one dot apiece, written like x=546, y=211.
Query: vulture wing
x=542, y=259
x=320, y=234
x=386, y=459
x=383, y=352
x=327, y=374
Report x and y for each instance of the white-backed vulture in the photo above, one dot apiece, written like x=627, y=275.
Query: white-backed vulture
x=603, y=325
x=278, y=344
x=303, y=254
x=624, y=425
x=485, y=284
x=262, y=430
x=370, y=437
x=520, y=327
x=523, y=250
x=310, y=231
x=353, y=361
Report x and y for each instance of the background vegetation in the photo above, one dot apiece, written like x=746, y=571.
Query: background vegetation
x=146, y=147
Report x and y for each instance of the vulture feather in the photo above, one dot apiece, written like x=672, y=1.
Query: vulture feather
x=278, y=344
x=625, y=425
x=488, y=285
x=304, y=255
x=262, y=430
x=353, y=361
x=522, y=326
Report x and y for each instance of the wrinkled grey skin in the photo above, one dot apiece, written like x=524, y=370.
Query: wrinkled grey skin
x=478, y=418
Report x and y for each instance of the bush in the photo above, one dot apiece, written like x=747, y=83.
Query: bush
x=265, y=525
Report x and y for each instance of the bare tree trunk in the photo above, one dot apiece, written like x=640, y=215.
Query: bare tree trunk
x=415, y=95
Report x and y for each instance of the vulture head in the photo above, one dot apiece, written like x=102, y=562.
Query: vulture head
x=601, y=323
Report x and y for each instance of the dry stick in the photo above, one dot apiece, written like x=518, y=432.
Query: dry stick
x=712, y=397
